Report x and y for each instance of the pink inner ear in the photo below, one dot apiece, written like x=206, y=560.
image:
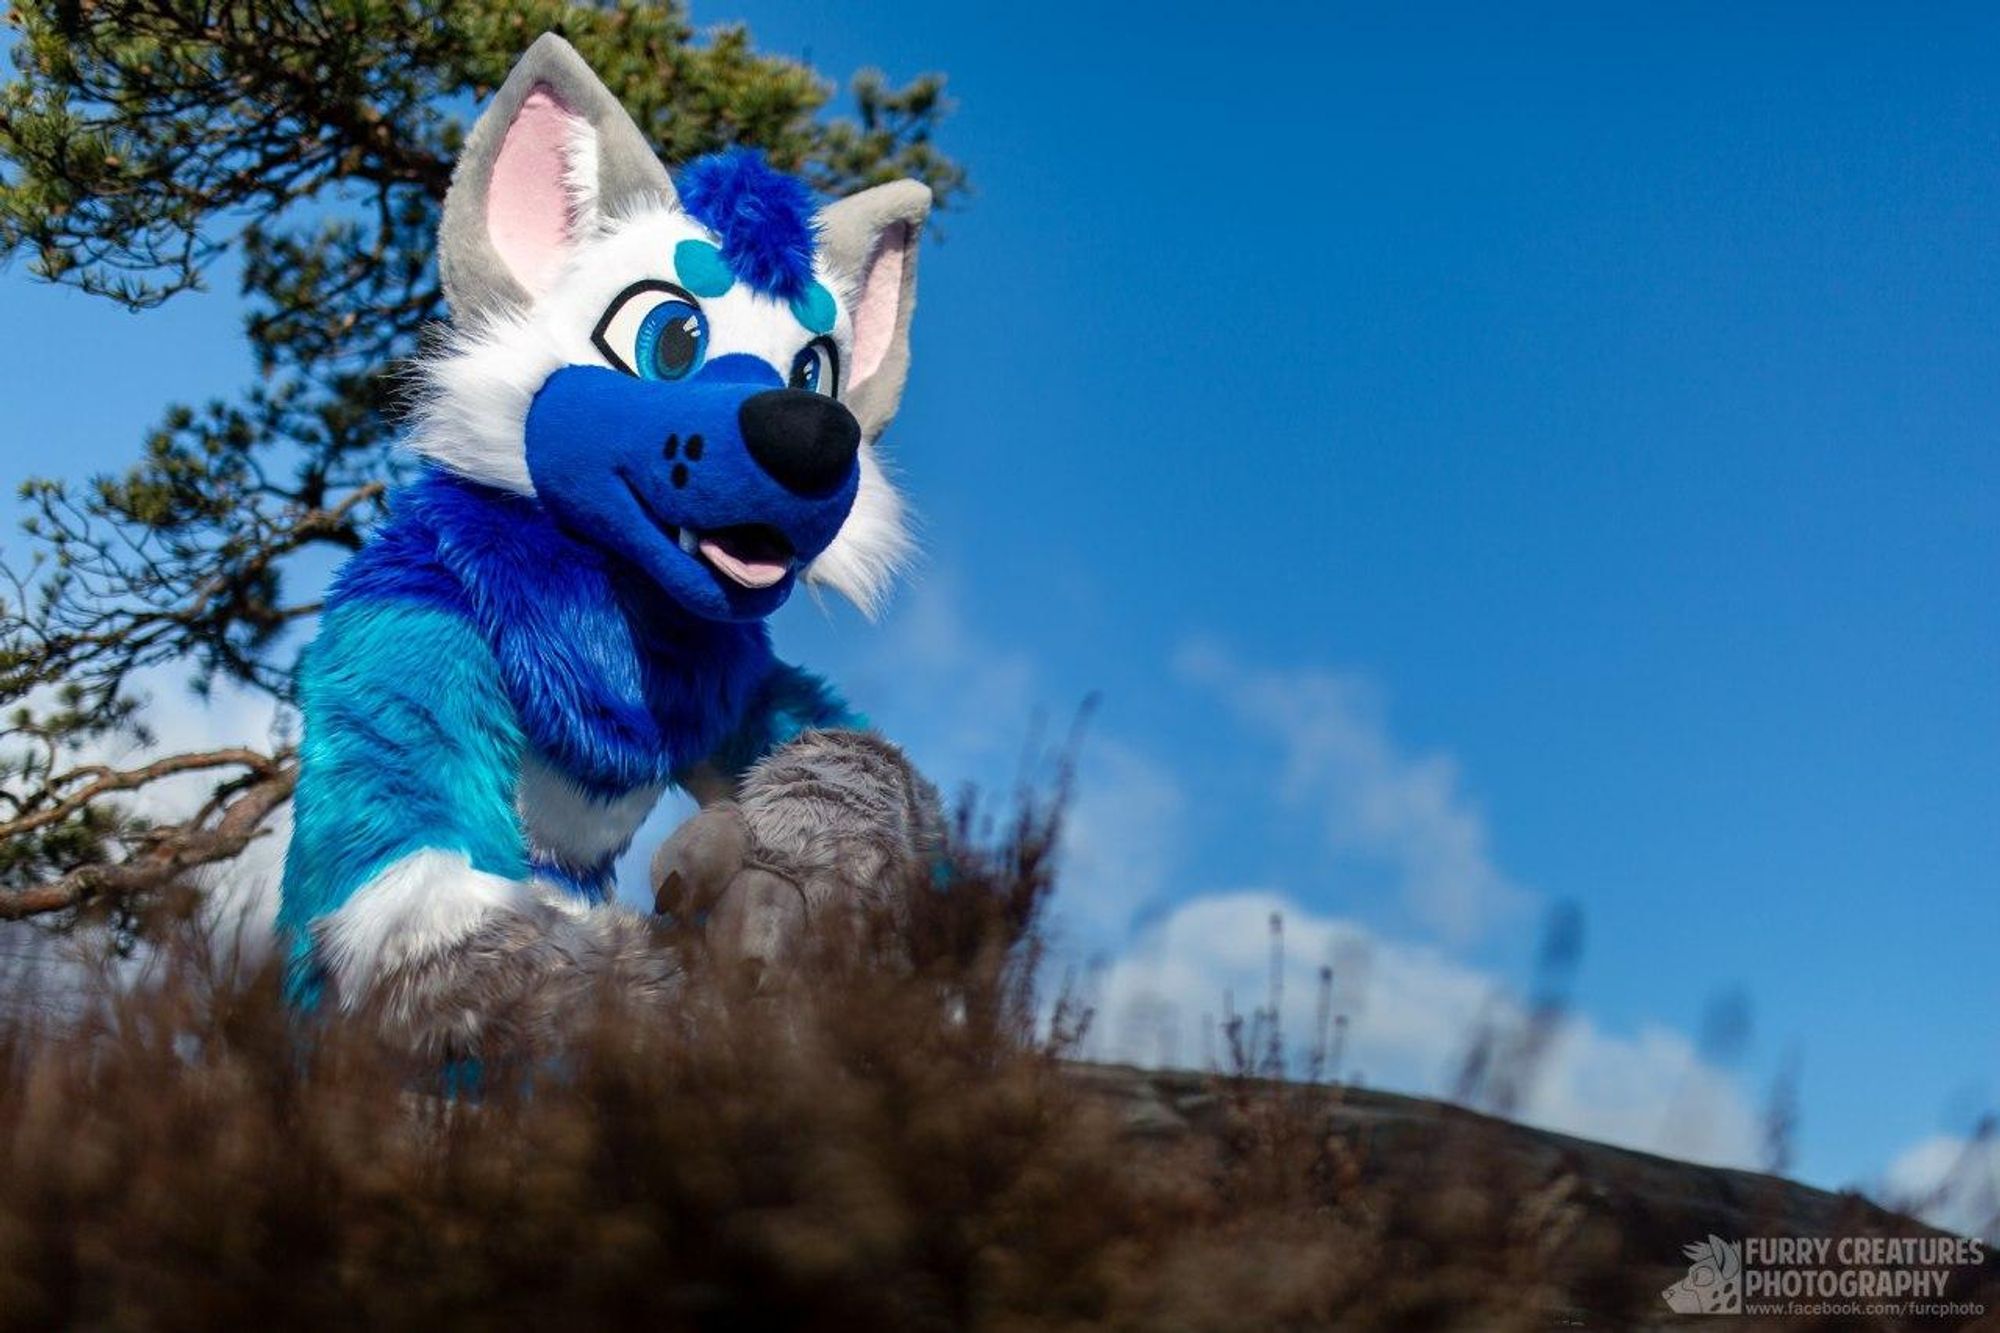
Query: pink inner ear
x=528, y=211
x=881, y=294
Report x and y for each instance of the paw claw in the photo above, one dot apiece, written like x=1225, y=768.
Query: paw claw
x=694, y=868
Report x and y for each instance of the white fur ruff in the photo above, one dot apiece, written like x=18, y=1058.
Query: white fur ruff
x=576, y=828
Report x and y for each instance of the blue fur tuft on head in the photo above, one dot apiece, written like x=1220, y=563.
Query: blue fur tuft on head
x=763, y=218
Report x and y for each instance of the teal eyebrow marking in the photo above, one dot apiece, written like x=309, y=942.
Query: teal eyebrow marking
x=813, y=308
x=701, y=268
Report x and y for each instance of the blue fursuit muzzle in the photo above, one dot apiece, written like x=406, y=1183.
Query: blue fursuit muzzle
x=718, y=487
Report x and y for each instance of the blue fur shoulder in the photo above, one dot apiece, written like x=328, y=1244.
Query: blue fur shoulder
x=788, y=701
x=614, y=684
x=396, y=677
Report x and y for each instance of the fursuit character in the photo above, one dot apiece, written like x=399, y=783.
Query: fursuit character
x=655, y=415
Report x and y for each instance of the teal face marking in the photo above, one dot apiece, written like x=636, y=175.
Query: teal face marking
x=704, y=272
x=701, y=268
x=813, y=308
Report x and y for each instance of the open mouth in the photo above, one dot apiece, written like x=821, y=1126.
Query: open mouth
x=749, y=554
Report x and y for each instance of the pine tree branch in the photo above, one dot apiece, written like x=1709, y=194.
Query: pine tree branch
x=169, y=855
x=103, y=781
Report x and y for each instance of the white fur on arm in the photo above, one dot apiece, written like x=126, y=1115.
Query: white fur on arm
x=417, y=908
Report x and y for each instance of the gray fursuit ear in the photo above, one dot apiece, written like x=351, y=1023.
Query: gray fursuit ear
x=869, y=243
x=575, y=141
x=516, y=985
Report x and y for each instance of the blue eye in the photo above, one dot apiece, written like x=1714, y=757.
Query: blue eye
x=816, y=368
x=654, y=330
x=671, y=341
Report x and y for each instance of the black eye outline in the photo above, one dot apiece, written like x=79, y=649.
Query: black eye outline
x=821, y=344
x=669, y=291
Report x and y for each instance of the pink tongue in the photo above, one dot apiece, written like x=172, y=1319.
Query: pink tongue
x=749, y=573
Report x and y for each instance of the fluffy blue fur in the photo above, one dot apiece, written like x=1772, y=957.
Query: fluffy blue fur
x=397, y=678
x=472, y=629
x=613, y=683
x=764, y=218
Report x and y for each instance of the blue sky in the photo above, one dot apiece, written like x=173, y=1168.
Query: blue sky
x=1482, y=462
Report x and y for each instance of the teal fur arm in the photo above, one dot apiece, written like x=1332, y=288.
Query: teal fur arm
x=410, y=744
x=790, y=700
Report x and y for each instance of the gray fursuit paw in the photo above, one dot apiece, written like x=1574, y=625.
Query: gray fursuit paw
x=513, y=984
x=836, y=819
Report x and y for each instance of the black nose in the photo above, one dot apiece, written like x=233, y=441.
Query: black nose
x=805, y=441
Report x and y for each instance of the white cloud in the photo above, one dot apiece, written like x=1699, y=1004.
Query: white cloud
x=1413, y=1015
x=1414, y=1010
x=1120, y=839
x=1406, y=812
x=1950, y=1182
x=964, y=707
